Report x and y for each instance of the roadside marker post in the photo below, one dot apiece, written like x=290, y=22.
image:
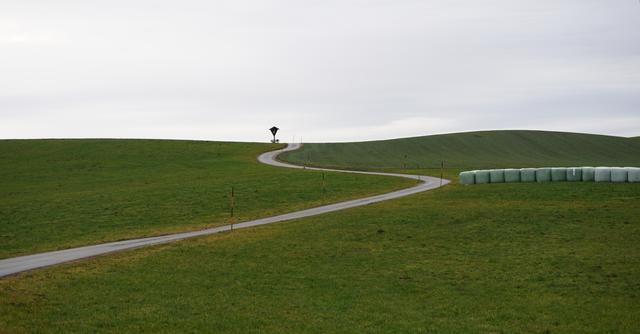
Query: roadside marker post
x=233, y=205
x=441, y=172
x=324, y=187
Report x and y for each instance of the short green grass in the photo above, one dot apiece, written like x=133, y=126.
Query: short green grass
x=504, y=258
x=57, y=194
x=485, y=149
x=511, y=258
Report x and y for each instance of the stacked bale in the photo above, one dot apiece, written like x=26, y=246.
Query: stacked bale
x=528, y=175
x=543, y=174
x=633, y=174
x=618, y=175
x=496, y=176
x=558, y=174
x=603, y=174
x=574, y=174
x=511, y=175
x=468, y=177
x=482, y=176
x=588, y=174
x=555, y=174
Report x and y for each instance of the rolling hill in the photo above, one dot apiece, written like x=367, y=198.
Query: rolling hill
x=485, y=149
x=62, y=193
x=514, y=258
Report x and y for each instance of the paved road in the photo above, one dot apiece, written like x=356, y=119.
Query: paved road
x=23, y=263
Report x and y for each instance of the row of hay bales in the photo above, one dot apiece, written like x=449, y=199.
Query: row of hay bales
x=552, y=174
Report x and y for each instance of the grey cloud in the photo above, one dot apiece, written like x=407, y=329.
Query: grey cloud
x=324, y=70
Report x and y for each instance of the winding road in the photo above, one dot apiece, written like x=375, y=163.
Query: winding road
x=23, y=263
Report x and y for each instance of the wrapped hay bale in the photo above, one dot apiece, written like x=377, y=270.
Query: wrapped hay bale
x=574, y=174
x=558, y=174
x=468, y=177
x=603, y=174
x=511, y=175
x=588, y=174
x=528, y=175
x=482, y=176
x=496, y=175
x=543, y=174
x=633, y=174
x=618, y=175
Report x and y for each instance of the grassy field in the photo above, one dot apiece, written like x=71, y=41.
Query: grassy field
x=475, y=150
x=62, y=193
x=521, y=258
x=512, y=258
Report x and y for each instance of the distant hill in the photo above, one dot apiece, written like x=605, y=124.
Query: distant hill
x=484, y=149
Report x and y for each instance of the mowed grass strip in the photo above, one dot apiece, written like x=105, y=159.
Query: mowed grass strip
x=484, y=149
x=521, y=258
x=57, y=194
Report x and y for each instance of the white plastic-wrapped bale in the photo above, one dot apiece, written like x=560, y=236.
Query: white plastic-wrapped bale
x=543, y=174
x=633, y=174
x=618, y=174
x=574, y=174
x=496, y=176
x=588, y=174
x=558, y=174
x=603, y=174
x=511, y=175
x=468, y=177
x=482, y=176
x=528, y=175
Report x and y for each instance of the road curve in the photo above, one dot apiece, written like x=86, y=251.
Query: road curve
x=23, y=263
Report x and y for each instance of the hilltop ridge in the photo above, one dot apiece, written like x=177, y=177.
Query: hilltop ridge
x=481, y=149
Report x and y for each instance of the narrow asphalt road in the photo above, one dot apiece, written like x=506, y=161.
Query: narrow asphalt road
x=23, y=263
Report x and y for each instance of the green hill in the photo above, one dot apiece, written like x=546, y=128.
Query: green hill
x=62, y=193
x=485, y=149
x=513, y=258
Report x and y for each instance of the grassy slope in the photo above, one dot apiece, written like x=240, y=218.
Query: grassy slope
x=535, y=258
x=476, y=150
x=554, y=257
x=62, y=193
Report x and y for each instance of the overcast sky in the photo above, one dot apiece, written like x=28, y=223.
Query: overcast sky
x=326, y=70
